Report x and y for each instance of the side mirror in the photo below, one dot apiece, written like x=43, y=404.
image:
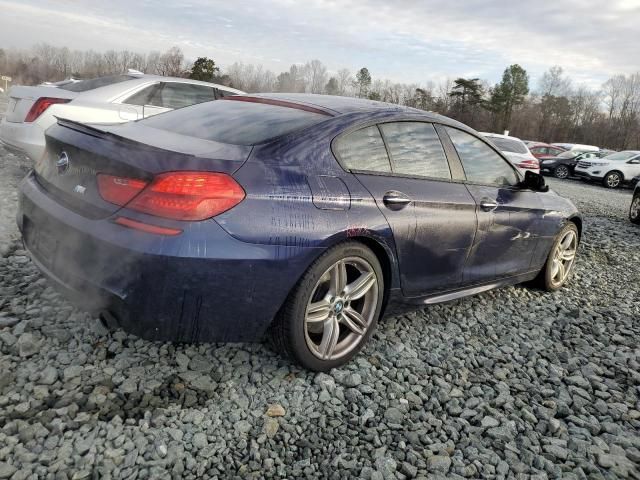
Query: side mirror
x=535, y=181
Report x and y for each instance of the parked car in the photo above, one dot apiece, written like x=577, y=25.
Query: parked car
x=577, y=146
x=544, y=150
x=634, y=209
x=564, y=164
x=515, y=150
x=113, y=99
x=613, y=170
x=309, y=216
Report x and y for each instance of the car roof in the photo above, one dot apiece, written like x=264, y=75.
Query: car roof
x=337, y=104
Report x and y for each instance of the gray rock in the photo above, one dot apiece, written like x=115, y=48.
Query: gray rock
x=6, y=470
x=393, y=415
x=27, y=345
x=48, y=376
x=439, y=463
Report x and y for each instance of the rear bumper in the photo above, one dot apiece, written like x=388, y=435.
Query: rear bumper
x=202, y=286
x=23, y=138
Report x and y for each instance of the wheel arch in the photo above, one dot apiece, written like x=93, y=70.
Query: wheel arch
x=577, y=221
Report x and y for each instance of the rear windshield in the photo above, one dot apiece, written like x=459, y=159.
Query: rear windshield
x=86, y=85
x=507, y=145
x=234, y=122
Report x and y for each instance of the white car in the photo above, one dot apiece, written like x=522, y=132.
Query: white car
x=515, y=150
x=577, y=146
x=612, y=170
x=113, y=99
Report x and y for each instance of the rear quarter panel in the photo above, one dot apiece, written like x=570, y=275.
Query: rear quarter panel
x=279, y=208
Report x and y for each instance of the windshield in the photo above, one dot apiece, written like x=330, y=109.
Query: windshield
x=86, y=85
x=569, y=154
x=622, y=156
x=235, y=122
x=508, y=145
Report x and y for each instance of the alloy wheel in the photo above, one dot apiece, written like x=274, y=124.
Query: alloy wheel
x=613, y=180
x=634, y=210
x=561, y=172
x=341, y=308
x=563, y=257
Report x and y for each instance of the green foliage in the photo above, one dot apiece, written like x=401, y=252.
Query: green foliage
x=374, y=96
x=363, y=81
x=204, y=69
x=332, y=87
x=467, y=91
x=506, y=95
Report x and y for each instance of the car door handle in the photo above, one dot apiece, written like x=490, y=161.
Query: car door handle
x=488, y=205
x=395, y=200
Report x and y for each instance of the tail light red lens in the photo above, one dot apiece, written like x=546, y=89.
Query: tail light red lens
x=176, y=195
x=530, y=164
x=119, y=190
x=41, y=105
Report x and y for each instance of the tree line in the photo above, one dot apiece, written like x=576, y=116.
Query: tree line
x=555, y=110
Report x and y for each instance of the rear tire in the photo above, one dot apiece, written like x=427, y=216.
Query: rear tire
x=634, y=209
x=333, y=310
x=612, y=179
x=558, y=267
x=561, y=171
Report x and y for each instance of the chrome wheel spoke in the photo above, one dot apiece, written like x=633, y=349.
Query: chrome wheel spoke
x=568, y=255
x=318, y=312
x=566, y=241
x=555, y=268
x=354, y=321
x=358, y=288
x=338, y=277
x=330, y=336
x=341, y=308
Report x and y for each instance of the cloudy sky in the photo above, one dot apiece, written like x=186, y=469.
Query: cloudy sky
x=403, y=40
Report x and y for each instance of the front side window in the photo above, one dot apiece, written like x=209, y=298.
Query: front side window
x=363, y=150
x=415, y=149
x=179, y=95
x=481, y=164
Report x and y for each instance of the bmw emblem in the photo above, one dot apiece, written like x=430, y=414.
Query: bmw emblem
x=62, y=164
x=337, y=308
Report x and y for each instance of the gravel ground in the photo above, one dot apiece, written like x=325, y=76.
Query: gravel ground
x=513, y=383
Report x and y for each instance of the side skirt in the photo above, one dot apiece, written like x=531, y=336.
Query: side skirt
x=400, y=304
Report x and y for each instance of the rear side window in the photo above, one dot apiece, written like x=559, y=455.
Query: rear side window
x=86, y=85
x=363, y=150
x=235, y=122
x=179, y=95
x=143, y=97
x=481, y=164
x=415, y=149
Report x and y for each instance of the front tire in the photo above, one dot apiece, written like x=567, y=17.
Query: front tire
x=634, y=209
x=612, y=179
x=333, y=310
x=557, y=269
x=561, y=171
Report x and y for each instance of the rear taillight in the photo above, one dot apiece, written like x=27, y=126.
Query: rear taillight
x=119, y=190
x=530, y=164
x=41, y=105
x=175, y=195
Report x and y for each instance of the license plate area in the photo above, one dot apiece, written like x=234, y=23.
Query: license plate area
x=41, y=241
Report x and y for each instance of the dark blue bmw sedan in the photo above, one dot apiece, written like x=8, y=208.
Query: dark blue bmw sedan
x=305, y=216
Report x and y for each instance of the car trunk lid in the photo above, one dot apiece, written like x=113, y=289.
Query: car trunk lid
x=21, y=99
x=76, y=154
